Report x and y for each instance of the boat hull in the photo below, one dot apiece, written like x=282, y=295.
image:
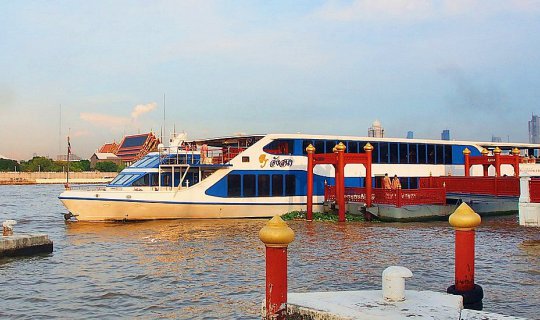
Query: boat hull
x=103, y=209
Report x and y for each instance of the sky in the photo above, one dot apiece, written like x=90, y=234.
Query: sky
x=96, y=70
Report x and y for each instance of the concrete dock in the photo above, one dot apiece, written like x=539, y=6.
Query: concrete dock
x=24, y=245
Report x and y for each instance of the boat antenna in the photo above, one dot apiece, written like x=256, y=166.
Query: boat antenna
x=60, y=132
x=164, y=131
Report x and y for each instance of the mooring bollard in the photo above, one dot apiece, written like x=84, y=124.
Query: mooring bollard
x=276, y=236
x=464, y=220
x=7, y=227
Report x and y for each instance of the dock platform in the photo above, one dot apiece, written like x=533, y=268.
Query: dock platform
x=24, y=245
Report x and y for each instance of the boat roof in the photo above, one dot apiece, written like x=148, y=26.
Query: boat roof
x=246, y=140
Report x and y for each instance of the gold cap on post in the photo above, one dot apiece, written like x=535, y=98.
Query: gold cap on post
x=368, y=147
x=276, y=233
x=341, y=147
x=310, y=148
x=515, y=151
x=497, y=150
x=464, y=218
x=466, y=151
x=485, y=151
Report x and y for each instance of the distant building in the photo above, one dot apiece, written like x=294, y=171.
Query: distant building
x=534, y=129
x=445, y=135
x=134, y=147
x=376, y=130
x=496, y=139
x=410, y=135
x=104, y=157
x=72, y=157
x=108, y=148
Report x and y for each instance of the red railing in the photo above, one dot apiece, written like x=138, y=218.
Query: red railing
x=501, y=186
x=534, y=190
x=398, y=198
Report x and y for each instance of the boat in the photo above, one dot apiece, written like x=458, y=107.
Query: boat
x=255, y=176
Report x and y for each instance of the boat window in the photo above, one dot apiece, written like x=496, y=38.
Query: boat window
x=118, y=177
x=394, y=153
x=330, y=144
x=280, y=147
x=233, y=185
x=249, y=185
x=384, y=152
x=413, y=183
x=375, y=152
x=277, y=185
x=319, y=146
x=124, y=179
x=142, y=181
x=422, y=154
x=290, y=185
x=263, y=185
x=352, y=147
x=439, y=159
x=448, y=154
x=403, y=153
x=430, y=154
x=413, y=153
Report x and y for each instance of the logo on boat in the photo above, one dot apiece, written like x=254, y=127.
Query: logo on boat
x=275, y=162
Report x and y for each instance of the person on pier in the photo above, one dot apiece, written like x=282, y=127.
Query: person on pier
x=396, y=184
x=387, y=184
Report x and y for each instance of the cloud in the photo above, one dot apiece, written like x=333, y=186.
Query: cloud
x=110, y=121
x=419, y=10
x=104, y=120
x=142, y=109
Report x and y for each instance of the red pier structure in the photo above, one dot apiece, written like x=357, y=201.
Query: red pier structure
x=496, y=160
x=339, y=159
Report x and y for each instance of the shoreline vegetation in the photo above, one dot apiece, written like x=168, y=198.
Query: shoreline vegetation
x=320, y=216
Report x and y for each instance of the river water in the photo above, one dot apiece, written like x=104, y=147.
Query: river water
x=214, y=269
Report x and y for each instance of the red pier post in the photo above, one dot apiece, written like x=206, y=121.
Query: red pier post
x=369, y=183
x=465, y=220
x=515, y=153
x=276, y=236
x=309, y=212
x=467, y=160
x=497, y=153
x=340, y=148
x=485, y=166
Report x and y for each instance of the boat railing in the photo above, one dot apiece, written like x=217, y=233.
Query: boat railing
x=198, y=155
x=88, y=187
x=494, y=186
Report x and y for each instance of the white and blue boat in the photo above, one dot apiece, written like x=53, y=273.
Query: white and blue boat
x=249, y=176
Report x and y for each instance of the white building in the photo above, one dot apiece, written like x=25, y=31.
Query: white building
x=376, y=130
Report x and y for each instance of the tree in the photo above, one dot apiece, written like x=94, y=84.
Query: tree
x=9, y=165
x=107, y=166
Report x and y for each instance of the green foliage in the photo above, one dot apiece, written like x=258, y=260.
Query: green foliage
x=9, y=165
x=45, y=164
x=107, y=166
x=319, y=216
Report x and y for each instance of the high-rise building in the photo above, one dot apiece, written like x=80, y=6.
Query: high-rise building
x=445, y=135
x=495, y=139
x=376, y=130
x=534, y=129
x=410, y=135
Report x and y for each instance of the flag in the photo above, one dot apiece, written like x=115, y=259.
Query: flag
x=69, y=146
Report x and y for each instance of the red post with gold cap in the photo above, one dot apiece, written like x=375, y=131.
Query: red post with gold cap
x=465, y=220
x=276, y=236
x=515, y=153
x=467, y=160
x=309, y=212
x=369, y=184
x=497, y=153
x=485, y=166
x=340, y=148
